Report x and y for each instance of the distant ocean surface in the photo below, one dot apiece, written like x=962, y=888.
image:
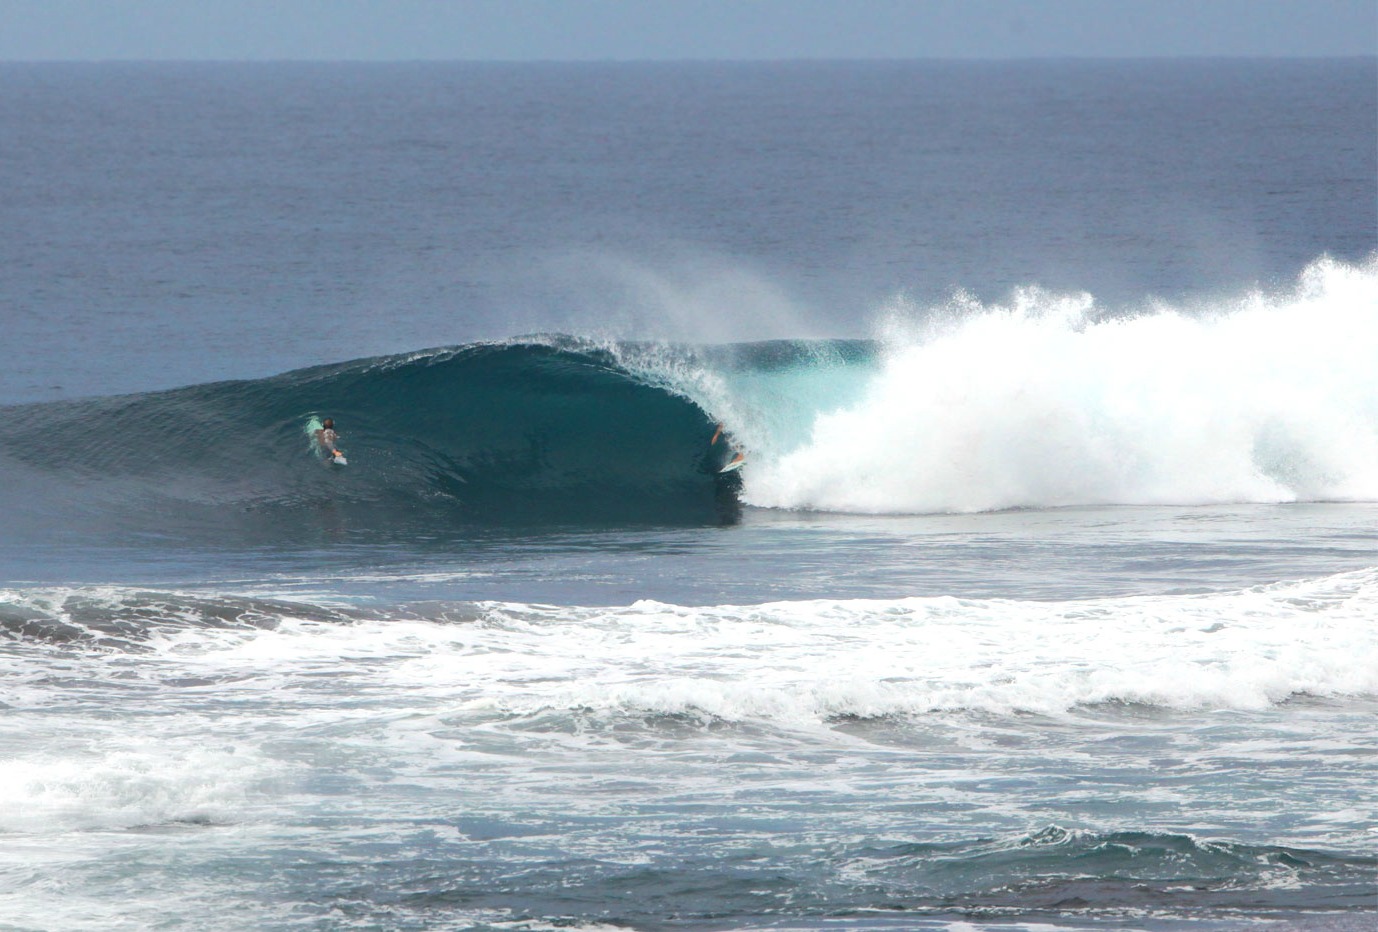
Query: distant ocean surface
x=1047, y=596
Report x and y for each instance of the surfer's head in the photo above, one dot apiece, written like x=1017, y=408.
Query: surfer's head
x=328, y=423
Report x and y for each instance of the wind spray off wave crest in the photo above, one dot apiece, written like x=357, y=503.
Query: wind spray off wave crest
x=1042, y=402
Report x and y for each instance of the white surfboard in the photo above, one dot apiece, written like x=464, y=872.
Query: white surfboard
x=738, y=462
x=339, y=460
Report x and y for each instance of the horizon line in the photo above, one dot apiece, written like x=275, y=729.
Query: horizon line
x=707, y=60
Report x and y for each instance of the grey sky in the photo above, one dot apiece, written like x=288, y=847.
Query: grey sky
x=679, y=29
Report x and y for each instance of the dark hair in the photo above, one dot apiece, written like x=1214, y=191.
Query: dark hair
x=328, y=423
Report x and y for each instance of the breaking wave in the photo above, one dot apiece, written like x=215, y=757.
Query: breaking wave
x=1046, y=401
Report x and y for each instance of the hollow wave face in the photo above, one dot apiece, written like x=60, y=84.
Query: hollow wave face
x=506, y=433
x=1044, y=402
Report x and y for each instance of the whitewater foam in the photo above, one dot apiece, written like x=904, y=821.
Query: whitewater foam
x=794, y=664
x=866, y=659
x=113, y=781
x=1045, y=402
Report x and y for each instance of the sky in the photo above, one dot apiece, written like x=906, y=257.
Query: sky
x=621, y=30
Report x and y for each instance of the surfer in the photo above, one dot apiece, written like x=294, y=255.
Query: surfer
x=727, y=482
x=328, y=440
x=737, y=459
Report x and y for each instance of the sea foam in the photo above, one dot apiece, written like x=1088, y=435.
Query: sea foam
x=794, y=664
x=1044, y=401
x=813, y=661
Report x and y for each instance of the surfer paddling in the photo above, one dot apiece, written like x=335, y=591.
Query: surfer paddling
x=329, y=441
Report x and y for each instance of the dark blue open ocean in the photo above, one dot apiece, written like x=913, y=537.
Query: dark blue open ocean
x=1047, y=597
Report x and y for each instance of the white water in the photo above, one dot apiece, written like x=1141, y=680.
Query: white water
x=790, y=664
x=1269, y=398
x=195, y=741
x=802, y=663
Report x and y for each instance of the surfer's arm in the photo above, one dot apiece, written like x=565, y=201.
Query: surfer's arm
x=716, y=434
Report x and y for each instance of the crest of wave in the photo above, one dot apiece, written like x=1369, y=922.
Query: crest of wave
x=1043, y=401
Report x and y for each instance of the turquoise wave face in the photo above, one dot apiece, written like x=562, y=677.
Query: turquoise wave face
x=544, y=432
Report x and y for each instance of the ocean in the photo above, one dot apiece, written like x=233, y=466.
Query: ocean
x=1046, y=598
